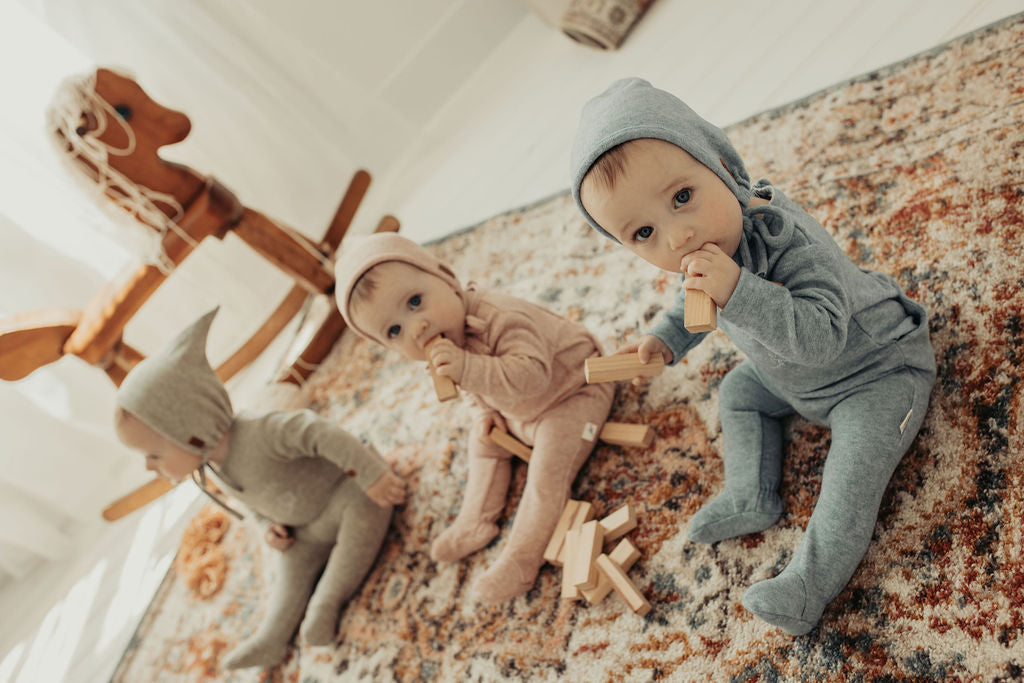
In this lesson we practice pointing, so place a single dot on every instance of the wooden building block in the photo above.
(584, 513)
(551, 553)
(569, 589)
(621, 367)
(444, 387)
(589, 540)
(625, 555)
(623, 434)
(510, 443)
(618, 523)
(623, 586)
(699, 311)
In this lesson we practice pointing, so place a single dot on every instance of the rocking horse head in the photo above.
(110, 131)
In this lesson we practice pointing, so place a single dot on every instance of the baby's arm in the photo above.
(803, 321)
(671, 332)
(306, 434)
(520, 367)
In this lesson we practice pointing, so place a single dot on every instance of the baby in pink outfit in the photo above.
(521, 366)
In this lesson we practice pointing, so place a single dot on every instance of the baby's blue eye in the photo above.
(414, 301)
(643, 234)
(394, 331)
(682, 197)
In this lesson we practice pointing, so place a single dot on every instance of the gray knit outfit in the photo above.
(293, 468)
(841, 346)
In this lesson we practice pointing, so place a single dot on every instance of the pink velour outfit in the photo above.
(526, 364)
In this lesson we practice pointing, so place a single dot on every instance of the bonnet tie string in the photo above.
(199, 477)
(766, 230)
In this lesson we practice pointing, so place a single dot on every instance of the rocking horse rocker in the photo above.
(111, 132)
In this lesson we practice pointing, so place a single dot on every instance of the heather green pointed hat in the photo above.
(178, 394)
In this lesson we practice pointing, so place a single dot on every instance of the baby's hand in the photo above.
(388, 490)
(483, 426)
(647, 347)
(711, 270)
(447, 359)
(644, 349)
(279, 537)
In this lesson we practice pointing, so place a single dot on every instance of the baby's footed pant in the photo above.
(872, 427)
(559, 450)
(343, 542)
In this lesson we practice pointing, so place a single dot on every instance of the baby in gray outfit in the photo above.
(324, 499)
(841, 346)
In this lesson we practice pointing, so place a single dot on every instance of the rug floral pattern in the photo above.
(918, 171)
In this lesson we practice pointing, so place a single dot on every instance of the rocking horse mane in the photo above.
(108, 131)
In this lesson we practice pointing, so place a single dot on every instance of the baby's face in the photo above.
(163, 456)
(665, 205)
(409, 308)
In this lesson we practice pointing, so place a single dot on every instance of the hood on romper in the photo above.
(630, 109)
(360, 254)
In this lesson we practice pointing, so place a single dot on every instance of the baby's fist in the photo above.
(388, 490)
(447, 359)
(279, 537)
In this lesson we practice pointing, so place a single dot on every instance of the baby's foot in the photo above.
(256, 651)
(460, 540)
(503, 581)
(725, 517)
(320, 625)
(784, 602)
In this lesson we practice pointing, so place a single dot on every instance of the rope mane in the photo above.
(138, 219)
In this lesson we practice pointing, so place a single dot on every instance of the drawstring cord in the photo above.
(199, 477)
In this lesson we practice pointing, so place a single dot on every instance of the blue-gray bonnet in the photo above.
(631, 109)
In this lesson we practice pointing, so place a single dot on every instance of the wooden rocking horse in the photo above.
(111, 132)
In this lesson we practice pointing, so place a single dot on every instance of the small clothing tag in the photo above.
(903, 425)
(589, 431)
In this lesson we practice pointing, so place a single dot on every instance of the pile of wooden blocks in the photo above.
(577, 546)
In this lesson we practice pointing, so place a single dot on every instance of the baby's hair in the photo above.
(368, 282)
(364, 288)
(609, 166)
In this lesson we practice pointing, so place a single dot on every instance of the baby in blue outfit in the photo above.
(841, 346)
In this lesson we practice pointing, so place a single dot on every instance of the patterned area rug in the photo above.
(918, 172)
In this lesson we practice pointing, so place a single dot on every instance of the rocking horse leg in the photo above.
(268, 331)
(31, 340)
(330, 329)
(120, 362)
(291, 252)
(143, 495)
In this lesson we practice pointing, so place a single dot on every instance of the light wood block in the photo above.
(623, 434)
(699, 311)
(618, 523)
(510, 443)
(623, 586)
(551, 553)
(621, 367)
(569, 589)
(137, 498)
(625, 554)
(444, 387)
(589, 540)
(584, 513)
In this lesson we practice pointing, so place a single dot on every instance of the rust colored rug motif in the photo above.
(918, 171)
